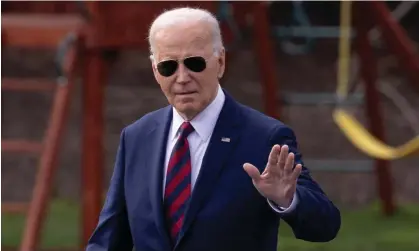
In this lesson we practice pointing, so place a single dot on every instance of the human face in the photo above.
(187, 90)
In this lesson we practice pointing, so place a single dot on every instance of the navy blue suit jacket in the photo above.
(226, 212)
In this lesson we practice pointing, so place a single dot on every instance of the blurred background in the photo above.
(75, 73)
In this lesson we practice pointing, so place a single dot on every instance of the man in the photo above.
(205, 172)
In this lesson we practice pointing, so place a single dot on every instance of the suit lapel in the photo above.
(223, 141)
(157, 140)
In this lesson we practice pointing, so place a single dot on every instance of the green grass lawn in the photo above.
(60, 230)
(365, 230)
(361, 230)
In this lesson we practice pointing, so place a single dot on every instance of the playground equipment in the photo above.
(97, 31)
(373, 144)
(353, 129)
(42, 32)
(303, 28)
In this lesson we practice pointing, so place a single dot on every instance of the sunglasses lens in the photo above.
(195, 64)
(167, 68)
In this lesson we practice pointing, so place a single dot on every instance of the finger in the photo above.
(252, 171)
(273, 158)
(289, 164)
(283, 157)
(297, 171)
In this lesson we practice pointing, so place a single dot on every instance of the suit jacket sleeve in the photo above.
(112, 232)
(315, 218)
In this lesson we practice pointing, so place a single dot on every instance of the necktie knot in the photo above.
(185, 129)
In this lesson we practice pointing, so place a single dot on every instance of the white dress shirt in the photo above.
(203, 124)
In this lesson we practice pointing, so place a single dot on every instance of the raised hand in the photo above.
(278, 181)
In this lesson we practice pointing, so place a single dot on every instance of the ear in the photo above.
(152, 61)
(154, 67)
(221, 63)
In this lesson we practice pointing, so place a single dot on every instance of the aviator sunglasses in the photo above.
(167, 68)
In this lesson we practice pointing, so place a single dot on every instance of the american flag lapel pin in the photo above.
(225, 139)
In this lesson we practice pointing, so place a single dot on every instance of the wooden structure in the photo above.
(112, 26)
(368, 15)
(34, 32)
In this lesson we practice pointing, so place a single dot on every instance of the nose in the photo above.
(182, 74)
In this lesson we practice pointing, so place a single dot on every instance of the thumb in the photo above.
(252, 171)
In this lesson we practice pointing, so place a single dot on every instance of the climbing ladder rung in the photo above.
(14, 207)
(37, 30)
(20, 84)
(19, 145)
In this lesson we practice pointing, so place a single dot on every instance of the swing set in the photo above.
(349, 125)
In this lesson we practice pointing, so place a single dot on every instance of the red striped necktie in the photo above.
(178, 182)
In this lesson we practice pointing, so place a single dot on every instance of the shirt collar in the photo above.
(205, 121)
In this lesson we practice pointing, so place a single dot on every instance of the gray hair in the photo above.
(182, 15)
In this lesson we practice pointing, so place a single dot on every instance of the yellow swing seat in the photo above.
(356, 133)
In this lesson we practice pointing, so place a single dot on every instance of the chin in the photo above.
(188, 109)
(183, 103)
